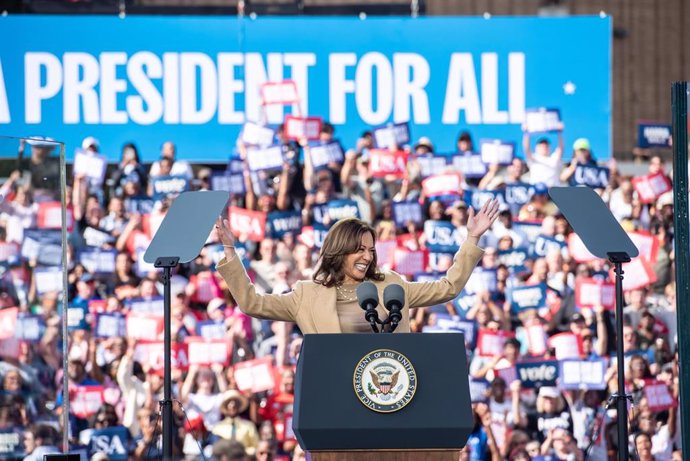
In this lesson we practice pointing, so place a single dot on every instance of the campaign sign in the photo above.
(518, 194)
(9, 252)
(543, 120)
(596, 177)
(282, 222)
(254, 134)
(144, 326)
(530, 228)
(578, 250)
(232, 183)
(528, 297)
(165, 186)
(42, 245)
(265, 158)
(582, 374)
(50, 216)
(409, 262)
(566, 345)
(496, 151)
(48, 279)
(297, 128)
(76, 318)
(383, 162)
(323, 154)
(543, 245)
(97, 238)
(514, 259)
(639, 273)
(476, 198)
(442, 236)
(654, 135)
(341, 209)
(207, 352)
(150, 355)
(91, 165)
(449, 322)
(405, 212)
(113, 441)
(432, 164)
(658, 396)
(141, 205)
(252, 224)
(490, 343)
(536, 338)
(650, 187)
(111, 325)
(12, 443)
(211, 329)
(463, 303)
(255, 375)
(469, 164)
(29, 328)
(646, 243)
(479, 389)
(314, 235)
(590, 292)
(98, 261)
(391, 136)
(284, 92)
(481, 280)
(153, 305)
(85, 400)
(442, 184)
(537, 373)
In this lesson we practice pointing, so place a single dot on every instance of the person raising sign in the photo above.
(328, 303)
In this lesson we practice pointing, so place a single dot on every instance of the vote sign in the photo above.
(496, 151)
(538, 373)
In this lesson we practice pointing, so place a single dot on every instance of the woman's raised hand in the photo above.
(479, 223)
(224, 233)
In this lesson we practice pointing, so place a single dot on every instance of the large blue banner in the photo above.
(196, 80)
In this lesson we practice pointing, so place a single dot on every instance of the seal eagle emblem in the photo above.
(385, 381)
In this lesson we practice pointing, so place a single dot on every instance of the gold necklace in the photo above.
(345, 294)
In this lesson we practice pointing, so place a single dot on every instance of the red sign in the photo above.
(442, 184)
(297, 128)
(591, 292)
(150, 355)
(566, 345)
(658, 396)
(650, 187)
(284, 92)
(384, 252)
(638, 273)
(490, 343)
(251, 224)
(536, 339)
(578, 250)
(9, 348)
(409, 262)
(384, 162)
(646, 243)
(8, 322)
(255, 375)
(202, 351)
(50, 216)
(85, 400)
(144, 326)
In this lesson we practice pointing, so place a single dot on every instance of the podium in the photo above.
(383, 397)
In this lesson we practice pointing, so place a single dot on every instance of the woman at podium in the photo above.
(328, 302)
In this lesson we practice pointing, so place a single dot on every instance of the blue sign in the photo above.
(596, 177)
(514, 259)
(476, 198)
(469, 164)
(442, 236)
(543, 245)
(518, 195)
(211, 329)
(111, 325)
(282, 222)
(528, 297)
(496, 151)
(197, 80)
(164, 186)
(11, 443)
(654, 135)
(232, 183)
(432, 164)
(113, 441)
(342, 208)
(404, 212)
(29, 328)
(537, 373)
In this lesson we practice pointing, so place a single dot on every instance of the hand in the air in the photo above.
(479, 223)
(224, 233)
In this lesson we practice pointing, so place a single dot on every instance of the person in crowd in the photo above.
(544, 166)
(348, 257)
(233, 426)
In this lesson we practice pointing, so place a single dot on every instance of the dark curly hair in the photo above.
(343, 239)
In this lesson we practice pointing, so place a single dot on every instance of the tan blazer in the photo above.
(313, 306)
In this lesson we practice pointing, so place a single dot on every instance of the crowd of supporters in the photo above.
(537, 313)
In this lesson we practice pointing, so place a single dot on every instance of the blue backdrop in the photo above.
(189, 79)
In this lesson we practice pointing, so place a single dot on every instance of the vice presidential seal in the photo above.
(385, 381)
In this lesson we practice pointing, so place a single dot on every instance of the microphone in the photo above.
(368, 299)
(394, 300)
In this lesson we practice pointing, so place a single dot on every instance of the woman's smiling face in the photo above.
(355, 265)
